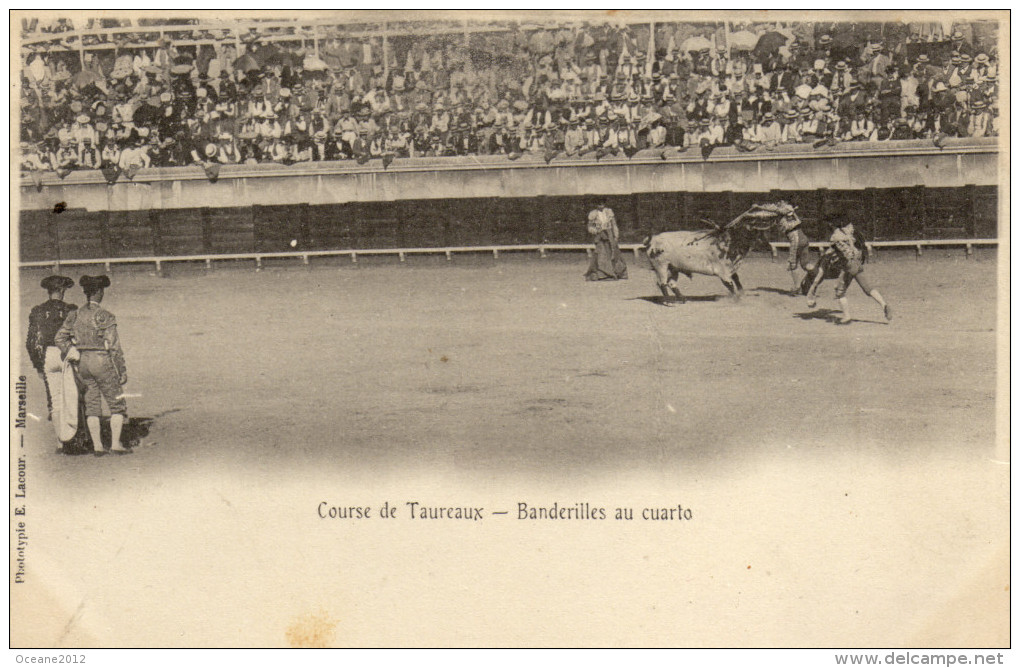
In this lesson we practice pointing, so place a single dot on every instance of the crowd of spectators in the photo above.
(560, 92)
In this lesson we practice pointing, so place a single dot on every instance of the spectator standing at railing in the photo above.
(813, 126)
(65, 159)
(317, 145)
(135, 157)
(227, 147)
(82, 130)
(769, 133)
(336, 149)
(657, 135)
(714, 134)
(915, 122)
(154, 149)
(901, 130)
(32, 159)
(790, 127)
(573, 140)
(110, 156)
(862, 128)
(980, 119)
(89, 156)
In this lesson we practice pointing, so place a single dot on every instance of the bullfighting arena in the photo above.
(842, 480)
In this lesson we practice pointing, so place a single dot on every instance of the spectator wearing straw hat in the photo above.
(769, 132)
(83, 129)
(980, 119)
(33, 158)
(65, 158)
(626, 80)
(942, 105)
(791, 128)
(714, 134)
(841, 79)
(880, 63)
(960, 43)
(89, 155)
(573, 140)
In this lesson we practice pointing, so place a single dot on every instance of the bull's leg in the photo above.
(662, 280)
(736, 281)
(728, 280)
(675, 287)
(667, 297)
(676, 291)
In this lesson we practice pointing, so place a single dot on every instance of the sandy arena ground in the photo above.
(841, 479)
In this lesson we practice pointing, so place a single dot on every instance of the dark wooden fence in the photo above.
(883, 214)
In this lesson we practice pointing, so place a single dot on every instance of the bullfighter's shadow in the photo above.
(833, 316)
(135, 430)
(662, 301)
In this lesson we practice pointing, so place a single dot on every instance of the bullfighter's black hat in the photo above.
(92, 283)
(54, 283)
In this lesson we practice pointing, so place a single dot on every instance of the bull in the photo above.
(711, 252)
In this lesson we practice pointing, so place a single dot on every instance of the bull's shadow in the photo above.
(833, 316)
(778, 291)
(662, 301)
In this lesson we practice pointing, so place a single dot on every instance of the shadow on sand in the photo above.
(662, 301)
(778, 291)
(833, 316)
(135, 430)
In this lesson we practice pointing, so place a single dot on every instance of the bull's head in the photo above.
(761, 217)
(760, 224)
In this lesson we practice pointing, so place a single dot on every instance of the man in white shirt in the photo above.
(715, 134)
(82, 130)
(769, 133)
(657, 135)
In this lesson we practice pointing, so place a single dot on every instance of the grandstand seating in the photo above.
(118, 98)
